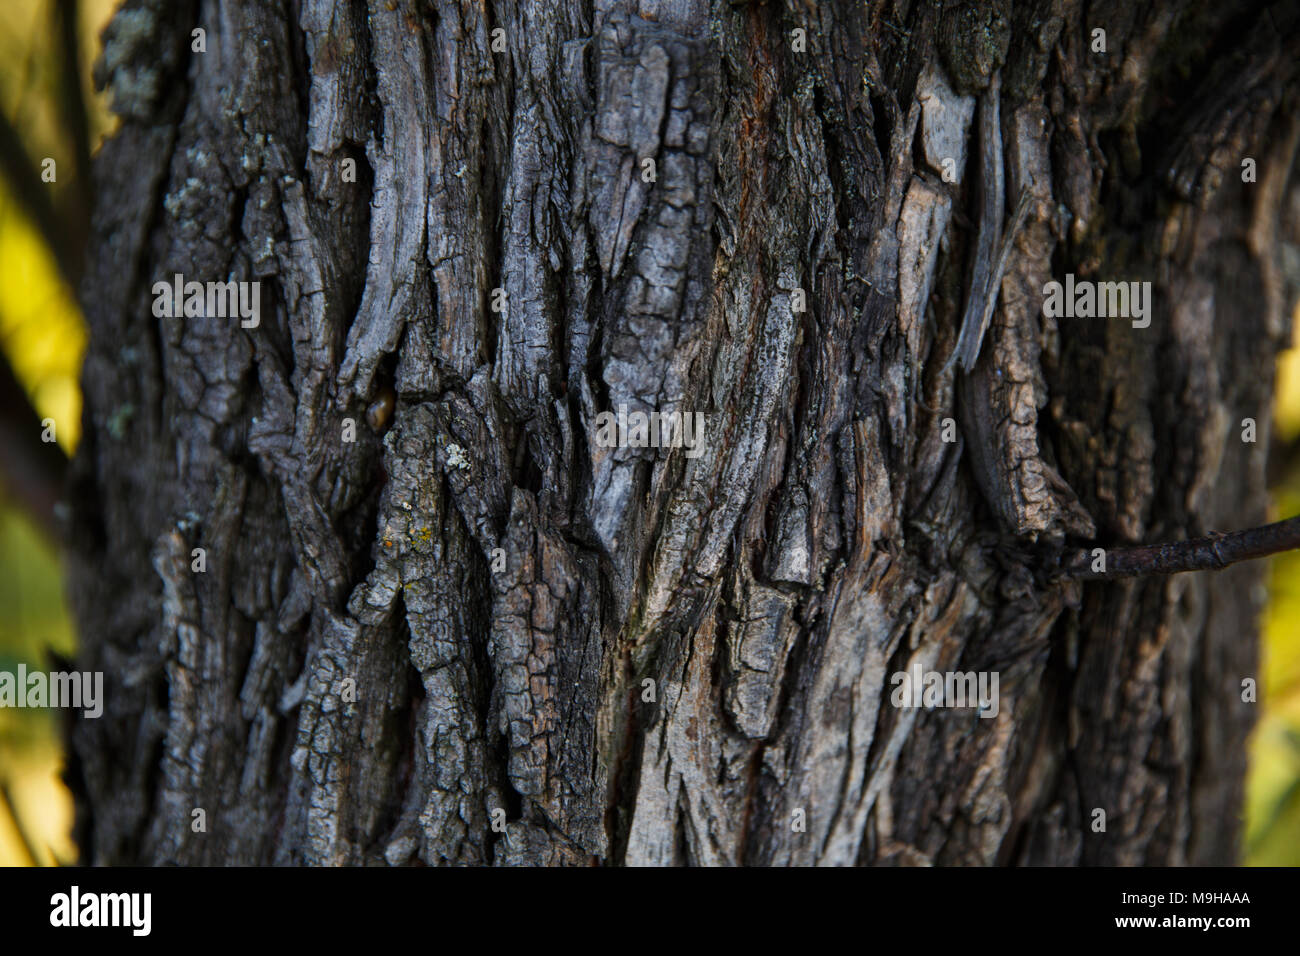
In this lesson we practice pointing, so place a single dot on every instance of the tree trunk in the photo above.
(468, 632)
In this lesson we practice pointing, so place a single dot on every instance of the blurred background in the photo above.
(50, 111)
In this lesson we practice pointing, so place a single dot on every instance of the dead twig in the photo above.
(1209, 553)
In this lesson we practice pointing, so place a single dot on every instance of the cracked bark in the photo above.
(498, 587)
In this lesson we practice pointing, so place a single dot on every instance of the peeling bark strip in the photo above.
(442, 619)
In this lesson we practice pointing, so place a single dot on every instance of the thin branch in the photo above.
(72, 104)
(31, 470)
(33, 196)
(23, 838)
(1210, 553)
(72, 97)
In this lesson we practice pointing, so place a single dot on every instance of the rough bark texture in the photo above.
(827, 537)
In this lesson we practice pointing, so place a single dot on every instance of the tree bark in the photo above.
(640, 655)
